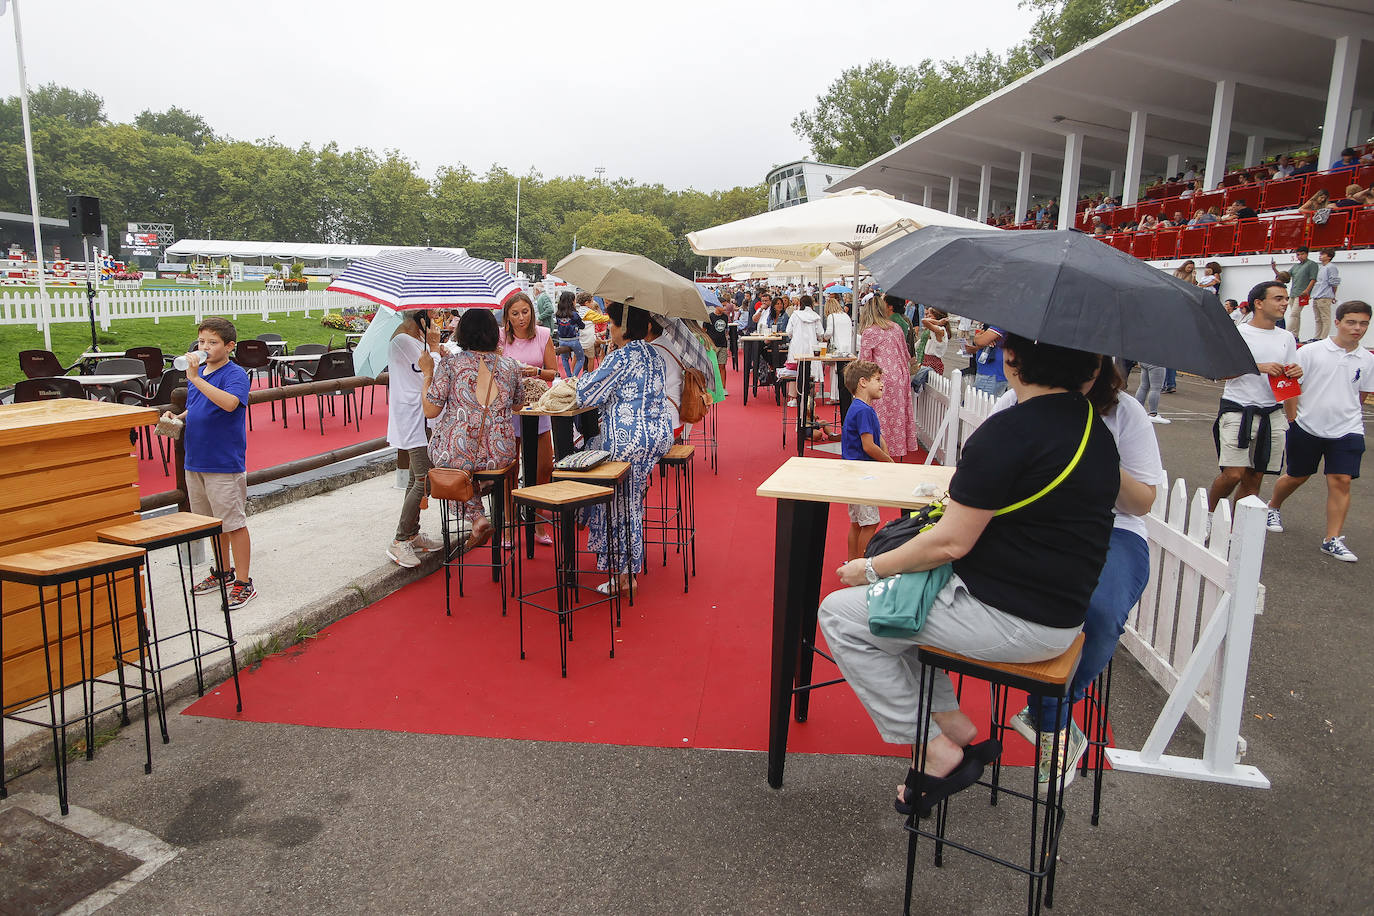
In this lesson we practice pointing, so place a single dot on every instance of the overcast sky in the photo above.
(696, 94)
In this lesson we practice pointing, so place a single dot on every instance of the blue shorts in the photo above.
(1341, 456)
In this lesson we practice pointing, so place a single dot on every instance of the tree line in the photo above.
(857, 116)
(172, 167)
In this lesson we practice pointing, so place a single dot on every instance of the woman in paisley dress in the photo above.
(628, 387)
(473, 393)
(881, 341)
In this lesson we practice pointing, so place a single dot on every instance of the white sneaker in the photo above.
(403, 554)
(424, 543)
(1335, 547)
(792, 403)
(1273, 521)
(1162, 421)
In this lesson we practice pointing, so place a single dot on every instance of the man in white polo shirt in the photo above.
(1338, 375)
(1250, 422)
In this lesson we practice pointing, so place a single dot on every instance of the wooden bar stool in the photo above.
(560, 502)
(74, 564)
(496, 482)
(178, 530)
(616, 475)
(1048, 679)
(675, 522)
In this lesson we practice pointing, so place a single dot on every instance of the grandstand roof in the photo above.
(283, 251)
(1166, 62)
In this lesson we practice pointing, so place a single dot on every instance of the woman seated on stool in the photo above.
(628, 389)
(1021, 580)
(474, 393)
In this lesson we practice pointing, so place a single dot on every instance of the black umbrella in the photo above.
(1065, 288)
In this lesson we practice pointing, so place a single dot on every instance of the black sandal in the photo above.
(938, 788)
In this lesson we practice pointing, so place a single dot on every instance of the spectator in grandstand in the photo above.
(1098, 227)
(1192, 188)
(1211, 278)
(1203, 217)
(1238, 210)
(1148, 223)
(1355, 196)
(1306, 165)
(1302, 276)
(1187, 272)
(1284, 167)
(1052, 213)
(1349, 160)
(1178, 219)
(1319, 201)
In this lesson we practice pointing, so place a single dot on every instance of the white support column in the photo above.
(925, 196)
(984, 191)
(1135, 155)
(1023, 186)
(953, 203)
(1254, 150)
(1340, 95)
(1068, 188)
(1114, 183)
(1222, 103)
(1172, 166)
(1360, 126)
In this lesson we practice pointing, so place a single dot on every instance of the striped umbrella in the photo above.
(407, 279)
(421, 278)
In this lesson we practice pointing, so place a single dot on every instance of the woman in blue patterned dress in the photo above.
(628, 387)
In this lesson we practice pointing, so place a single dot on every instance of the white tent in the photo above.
(284, 251)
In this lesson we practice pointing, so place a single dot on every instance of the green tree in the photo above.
(80, 109)
(856, 117)
(176, 122)
(636, 233)
(1063, 25)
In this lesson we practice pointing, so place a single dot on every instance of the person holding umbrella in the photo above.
(628, 387)
(405, 430)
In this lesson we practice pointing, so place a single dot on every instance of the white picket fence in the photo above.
(22, 308)
(1193, 627)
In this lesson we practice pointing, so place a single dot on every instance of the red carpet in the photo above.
(688, 670)
(269, 444)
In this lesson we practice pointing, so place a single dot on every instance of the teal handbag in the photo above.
(898, 605)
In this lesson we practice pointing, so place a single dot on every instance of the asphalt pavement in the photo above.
(274, 818)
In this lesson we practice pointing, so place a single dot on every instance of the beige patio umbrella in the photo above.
(633, 280)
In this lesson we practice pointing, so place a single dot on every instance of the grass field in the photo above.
(173, 335)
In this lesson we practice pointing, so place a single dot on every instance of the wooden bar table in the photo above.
(804, 392)
(67, 470)
(754, 347)
(562, 426)
(804, 489)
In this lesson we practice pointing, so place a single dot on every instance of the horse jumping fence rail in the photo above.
(1193, 626)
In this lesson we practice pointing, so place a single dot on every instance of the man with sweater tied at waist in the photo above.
(1250, 425)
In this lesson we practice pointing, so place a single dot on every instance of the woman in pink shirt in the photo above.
(525, 341)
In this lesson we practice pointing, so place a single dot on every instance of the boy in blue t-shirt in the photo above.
(216, 440)
(862, 440)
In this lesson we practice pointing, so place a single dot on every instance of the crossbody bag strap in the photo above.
(1082, 447)
(676, 405)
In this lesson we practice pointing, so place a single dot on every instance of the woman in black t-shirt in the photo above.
(1021, 580)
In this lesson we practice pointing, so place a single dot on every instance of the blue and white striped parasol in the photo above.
(408, 279)
(420, 278)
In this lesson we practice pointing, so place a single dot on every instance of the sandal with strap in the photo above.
(938, 788)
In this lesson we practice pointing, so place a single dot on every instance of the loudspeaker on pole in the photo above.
(83, 214)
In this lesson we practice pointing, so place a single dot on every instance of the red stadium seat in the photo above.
(1334, 233)
(1148, 208)
(1288, 233)
(1283, 195)
(1122, 215)
(1122, 242)
(1365, 176)
(1166, 244)
(1233, 179)
(1247, 192)
(1333, 183)
(1192, 242)
(1221, 239)
(1158, 193)
(1209, 199)
(1252, 235)
(1143, 245)
(1362, 229)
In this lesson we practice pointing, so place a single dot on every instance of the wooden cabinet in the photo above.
(67, 469)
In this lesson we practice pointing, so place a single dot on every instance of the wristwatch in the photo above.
(870, 573)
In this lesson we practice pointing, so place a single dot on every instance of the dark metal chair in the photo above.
(171, 380)
(276, 343)
(254, 356)
(47, 389)
(43, 364)
(122, 365)
(336, 364)
(153, 362)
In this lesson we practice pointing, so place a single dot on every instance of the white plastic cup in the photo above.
(187, 360)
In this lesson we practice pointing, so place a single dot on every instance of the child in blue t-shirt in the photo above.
(862, 440)
(216, 440)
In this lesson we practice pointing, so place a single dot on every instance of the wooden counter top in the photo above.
(67, 417)
(865, 483)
